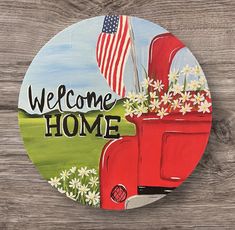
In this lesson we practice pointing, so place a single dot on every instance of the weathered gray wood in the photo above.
(205, 201)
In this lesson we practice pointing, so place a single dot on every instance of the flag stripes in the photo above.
(112, 50)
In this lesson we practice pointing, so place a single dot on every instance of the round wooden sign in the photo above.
(115, 112)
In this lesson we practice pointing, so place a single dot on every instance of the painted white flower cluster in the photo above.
(80, 185)
(184, 97)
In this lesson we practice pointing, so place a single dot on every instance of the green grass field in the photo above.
(53, 154)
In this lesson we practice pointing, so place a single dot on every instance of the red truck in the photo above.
(163, 153)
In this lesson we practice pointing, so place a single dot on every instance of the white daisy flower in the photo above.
(54, 182)
(73, 169)
(173, 75)
(166, 98)
(176, 104)
(202, 80)
(185, 96)
(208, 93)
(61, 190)
(92, 198)
(83, 172)
(197, 70)
(186, 70)
(194, 85)
(127, 104)
(93, 171)
(204, 107)
(71, 195)
(74, 183)
(176, 89)
(141, 97)
(65, 174)
(197, 98)
(153, 95)
(157, 85)
(140, 110)
(129, 112)
(185, 108)
(83, 189)
(162, 112)
(155, 104)
(93, 181)
(131, 96)
(147, 82)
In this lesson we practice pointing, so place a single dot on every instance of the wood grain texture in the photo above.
(205, 201)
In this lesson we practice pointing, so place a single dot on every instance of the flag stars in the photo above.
(110, 24)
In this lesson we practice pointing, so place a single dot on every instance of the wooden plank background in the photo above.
(205, 201)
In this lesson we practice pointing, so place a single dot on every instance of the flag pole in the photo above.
(133, 57)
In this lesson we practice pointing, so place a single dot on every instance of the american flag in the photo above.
(112, 50)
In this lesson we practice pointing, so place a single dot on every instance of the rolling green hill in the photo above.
(53, 154)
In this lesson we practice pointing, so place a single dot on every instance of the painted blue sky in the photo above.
(69, 58)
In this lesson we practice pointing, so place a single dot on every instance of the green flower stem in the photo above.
(63, 185)
(170, 86)
(185, 83)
